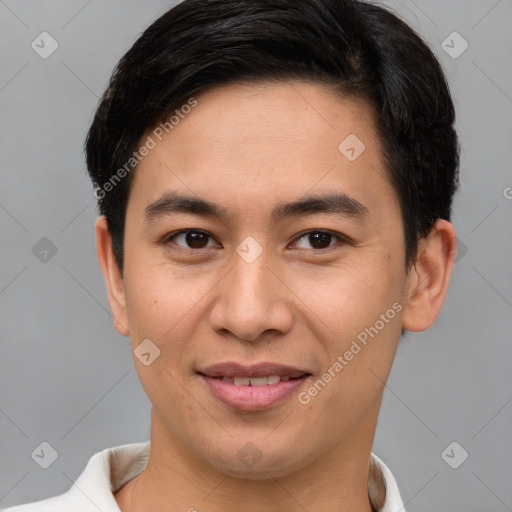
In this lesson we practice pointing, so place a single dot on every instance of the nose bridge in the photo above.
(251, 281)
(251, 300)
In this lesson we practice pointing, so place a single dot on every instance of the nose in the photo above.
(250, 300)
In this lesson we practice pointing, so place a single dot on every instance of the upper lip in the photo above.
(231, 369)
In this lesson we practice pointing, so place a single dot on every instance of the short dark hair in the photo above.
(362, 50)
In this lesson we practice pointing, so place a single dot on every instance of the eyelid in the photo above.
(168, 238)
(342, 239)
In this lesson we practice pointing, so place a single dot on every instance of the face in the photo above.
(289, 251)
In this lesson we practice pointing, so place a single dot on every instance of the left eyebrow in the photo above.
(331, 203)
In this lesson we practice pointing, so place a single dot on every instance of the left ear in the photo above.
(428, 279)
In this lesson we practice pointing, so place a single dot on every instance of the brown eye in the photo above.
(196, 240)
(318, 239)
(192, 239)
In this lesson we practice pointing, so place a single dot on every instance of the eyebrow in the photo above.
(331, 203)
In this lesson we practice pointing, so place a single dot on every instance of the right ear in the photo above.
(113, 276)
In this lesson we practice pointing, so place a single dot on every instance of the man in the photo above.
(275, 180)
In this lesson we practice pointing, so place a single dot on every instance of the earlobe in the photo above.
(428, 280)
(113, 277)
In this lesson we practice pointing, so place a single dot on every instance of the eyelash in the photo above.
(342, 240)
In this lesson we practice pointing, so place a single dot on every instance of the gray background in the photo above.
(66, 376)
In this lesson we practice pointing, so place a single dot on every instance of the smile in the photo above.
(255, 381)
(254, 393)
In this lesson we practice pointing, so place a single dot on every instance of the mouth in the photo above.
(255, 387)
(233, 370)
(268, 380)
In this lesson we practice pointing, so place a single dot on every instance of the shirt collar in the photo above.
(109, 470)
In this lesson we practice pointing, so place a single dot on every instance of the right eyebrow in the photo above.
(171, 203)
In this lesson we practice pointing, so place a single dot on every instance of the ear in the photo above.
(112, 275)
(427, 281)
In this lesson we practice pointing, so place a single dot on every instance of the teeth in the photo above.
(255, 381)
(258, 381)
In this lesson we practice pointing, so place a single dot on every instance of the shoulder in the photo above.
(94, 489)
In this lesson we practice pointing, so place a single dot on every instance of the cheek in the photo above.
(359, 335)
(168, 307)
(356, 314)
(160, 299)
(341, 302)
(161, 307)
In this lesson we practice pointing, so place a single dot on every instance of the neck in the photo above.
(177, 479)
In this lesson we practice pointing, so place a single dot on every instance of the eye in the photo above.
(192, 239)
(319, 239)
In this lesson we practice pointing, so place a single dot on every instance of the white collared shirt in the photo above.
(109, 470)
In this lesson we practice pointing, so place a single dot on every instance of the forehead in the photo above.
(275, 121)
(261, 144)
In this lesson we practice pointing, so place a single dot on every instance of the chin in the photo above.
(252, 463)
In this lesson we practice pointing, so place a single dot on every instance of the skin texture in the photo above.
(248, 148)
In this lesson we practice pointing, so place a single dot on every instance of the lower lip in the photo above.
(252, 398)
